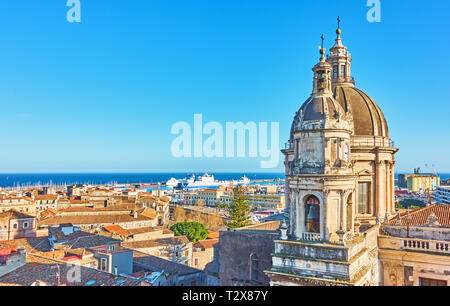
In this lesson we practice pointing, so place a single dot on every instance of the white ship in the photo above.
(173, 182)
(204, 181)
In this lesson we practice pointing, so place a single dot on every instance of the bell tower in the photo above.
(322, 75)
(325, 244)
(340, 60)
(318, 167)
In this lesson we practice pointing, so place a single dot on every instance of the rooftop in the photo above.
(206, 244)
(14, 214)
(117, 229)
(156, 242)
(31, 245)
(53, 272)
(155, 264)
(421, 216)
(92, 219)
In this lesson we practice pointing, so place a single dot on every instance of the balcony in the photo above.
(423, 245)
(414, 244)
(288, 146)
(315, 237)
(371, 142)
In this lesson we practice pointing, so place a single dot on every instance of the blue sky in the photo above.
(102, 95)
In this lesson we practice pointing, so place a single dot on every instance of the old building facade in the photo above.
(414, 248)
(339, 182)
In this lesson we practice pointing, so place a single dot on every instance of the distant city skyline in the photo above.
(101, 96)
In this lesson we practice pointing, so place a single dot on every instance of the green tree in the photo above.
(194, 231)
(238, 210)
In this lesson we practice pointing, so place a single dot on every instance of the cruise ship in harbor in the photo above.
(442, 195)
(205, 181)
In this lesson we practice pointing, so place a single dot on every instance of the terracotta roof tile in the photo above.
(14, 214)
(92, 219)
(420, 216)
(117, 229)
(213, 235)
(46, 197)
(156, 242)
(38, 268)
(153, 263)
(206, 244)
(33, 245)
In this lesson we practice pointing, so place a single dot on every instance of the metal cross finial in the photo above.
(322, 40)
(339, 22)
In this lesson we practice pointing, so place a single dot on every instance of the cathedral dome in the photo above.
(316, 113)
(317, 108)
(367, 116)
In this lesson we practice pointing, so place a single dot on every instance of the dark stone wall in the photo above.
(235, 248)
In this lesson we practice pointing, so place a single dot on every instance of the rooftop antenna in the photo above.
(57, 274)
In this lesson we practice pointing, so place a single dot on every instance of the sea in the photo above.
(44, 179)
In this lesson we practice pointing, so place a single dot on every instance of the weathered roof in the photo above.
(421, 216)
(213, 235)
(156, 242)
(93, 219)
(33, 245)
(206, 244)
(141, 230)
(48, 213)
(89, 241)
(117, 229)
(148, 212)
(153, 263)
(14, 214)
(38, 268)
(46, 197)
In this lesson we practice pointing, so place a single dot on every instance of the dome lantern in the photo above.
(322, 71)
(340, 60)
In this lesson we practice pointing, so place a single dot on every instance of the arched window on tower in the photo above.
(312, 213)
(343, 71)
(321, 80)
(254, 269)
(335, 72)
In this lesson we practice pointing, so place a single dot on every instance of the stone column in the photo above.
(388, 190)
(287, 198)
(300, 210)
(378, 188)
(341, 209)
(392, 185)
(353, 211)
(323, 215)
(292, 215)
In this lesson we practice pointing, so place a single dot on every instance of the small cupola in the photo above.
(340, 60)
(322, 71)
